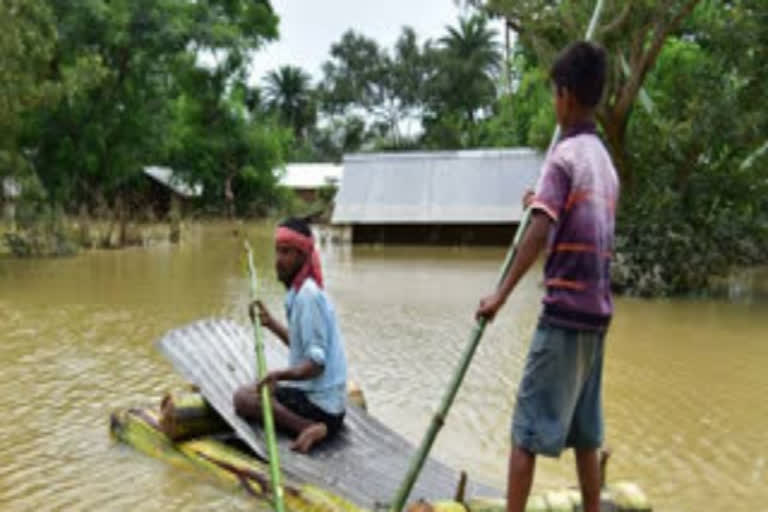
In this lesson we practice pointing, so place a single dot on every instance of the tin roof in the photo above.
(472, 186)
(166, 176)
(309, 175)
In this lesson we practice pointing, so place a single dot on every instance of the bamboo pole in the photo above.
(266, 401)
(417, 462)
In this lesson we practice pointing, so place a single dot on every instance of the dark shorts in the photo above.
(296, 400)
(559, 399)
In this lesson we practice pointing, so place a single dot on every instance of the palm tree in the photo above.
(288, 93)
(472, 62)
(473, 40)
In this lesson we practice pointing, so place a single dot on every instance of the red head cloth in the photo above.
(305, 245)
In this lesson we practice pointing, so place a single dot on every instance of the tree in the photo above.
(91, 148)
(469, 61)
(462, 89)
(364, 80)
(693, 171)
(288, 92)
(632, 32)
(524, 118)
(27, 41)
(225, 141)
(330, 140)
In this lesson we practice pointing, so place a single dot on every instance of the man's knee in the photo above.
(245, 400)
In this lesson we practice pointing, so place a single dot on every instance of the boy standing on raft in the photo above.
(573, 216)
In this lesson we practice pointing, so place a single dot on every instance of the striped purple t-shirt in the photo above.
(578, 189)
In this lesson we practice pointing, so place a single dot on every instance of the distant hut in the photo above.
(468, 197)
(307, 179)
(168, 191)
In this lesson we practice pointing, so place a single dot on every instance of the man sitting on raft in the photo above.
(312, 401)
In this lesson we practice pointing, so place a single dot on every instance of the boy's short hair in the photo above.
(580, 68)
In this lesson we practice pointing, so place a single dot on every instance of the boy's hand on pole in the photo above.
(528, 198)
(489, 306)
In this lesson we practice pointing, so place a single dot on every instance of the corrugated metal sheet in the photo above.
(365, 463)
(474, 186)
(309, 175)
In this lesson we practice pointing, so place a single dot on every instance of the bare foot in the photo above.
(308, 437)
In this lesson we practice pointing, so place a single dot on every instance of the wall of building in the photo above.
(434, 234)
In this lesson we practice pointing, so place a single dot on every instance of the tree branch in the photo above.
(618, 21)
(646, 60)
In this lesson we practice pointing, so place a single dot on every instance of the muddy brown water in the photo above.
(686, 381)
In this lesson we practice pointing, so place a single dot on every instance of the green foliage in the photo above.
(364, 80)
(469, 61)
(665, 249)
(330, 141)
(218, 142)
(95, 90)
(40, 227)
(28, 38)
(289, 95)
(26, 42)
(633, 34)
(698, 209)
(447, 87)
(525, 118)
(90, 146)
(693, 201)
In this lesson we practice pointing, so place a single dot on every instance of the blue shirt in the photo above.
(314, 334)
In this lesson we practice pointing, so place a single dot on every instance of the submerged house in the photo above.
(166, 189)
(471, 197)
(307, 179)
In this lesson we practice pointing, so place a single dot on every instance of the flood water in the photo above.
(686, 381)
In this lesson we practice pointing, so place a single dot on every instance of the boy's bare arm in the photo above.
(534, 241)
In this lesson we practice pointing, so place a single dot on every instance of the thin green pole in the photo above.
(417, 462)
(266, 402)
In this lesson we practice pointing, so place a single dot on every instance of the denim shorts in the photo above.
(559, 399)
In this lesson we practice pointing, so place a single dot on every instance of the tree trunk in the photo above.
(85, 230)
(122, 219)
(507, 53)
(104, 214)
(9, 213)
(174, 220)
(229, 195)
(615, 131)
